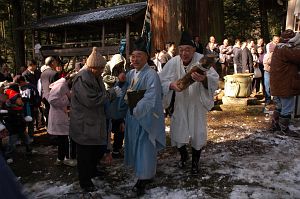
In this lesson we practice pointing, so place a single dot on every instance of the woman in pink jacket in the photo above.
(58, 123)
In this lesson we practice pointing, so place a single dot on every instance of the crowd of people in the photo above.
(83, 107)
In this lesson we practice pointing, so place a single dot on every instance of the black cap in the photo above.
(186, 39)
(140, 45)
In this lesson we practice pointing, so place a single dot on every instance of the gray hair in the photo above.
(49, 60)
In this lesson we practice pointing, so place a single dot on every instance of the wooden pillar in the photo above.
(127, 40)
(33, 43)
(290, 14)
(103, 36)
(65, 36)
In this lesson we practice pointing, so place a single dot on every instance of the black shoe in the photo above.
(140, 186)
(116, 155)
(290, 133)
(181, 164)
(89, 189)
(28, 150)
(195, 169)
(98, 173)
(139, 190)
(184, 156)
(195, 160)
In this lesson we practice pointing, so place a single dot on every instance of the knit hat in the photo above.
(287, 35)
(12, 94)
(95, 59)
(140, 45)
(115, 60)
(186, 39)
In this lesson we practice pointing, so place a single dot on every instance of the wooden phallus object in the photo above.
(200, 67)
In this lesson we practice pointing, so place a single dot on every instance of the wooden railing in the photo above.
(78, 51)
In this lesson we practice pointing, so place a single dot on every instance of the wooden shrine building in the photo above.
(75, 34)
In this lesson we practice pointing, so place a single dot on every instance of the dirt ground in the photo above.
(235, 134)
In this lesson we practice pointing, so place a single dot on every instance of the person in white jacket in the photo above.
(192, 104)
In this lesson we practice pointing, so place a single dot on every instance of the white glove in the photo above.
(2, 127)
(118, 91)
(28, 118)
(2, 111)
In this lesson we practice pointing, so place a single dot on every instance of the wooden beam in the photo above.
(127, 40)
(71, 52)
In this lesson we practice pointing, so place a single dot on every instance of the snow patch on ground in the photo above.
(236, 171)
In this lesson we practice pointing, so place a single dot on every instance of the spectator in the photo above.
(237, 57)
(225, 57)
(31, 100)
(157, 59)
(267, 67)
(284, 83)
(3, 130)
(88, 119)
(170, 48)
(114, 75)
(114, 71)
(199, 46)
(15, 122)
(5, 74)
(58, 123)
(32, 74)
(247, 59)
(261, 54)
(257, 74)
(48, 76)
(212, 46)
(274, 42)
(261, 43)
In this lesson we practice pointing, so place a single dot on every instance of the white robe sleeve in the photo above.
(167, 76)
(212, 82)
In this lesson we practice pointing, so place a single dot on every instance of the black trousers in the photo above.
(87, 158)
(66, 147)
(118, 134)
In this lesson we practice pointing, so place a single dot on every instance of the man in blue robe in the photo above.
(145, 128)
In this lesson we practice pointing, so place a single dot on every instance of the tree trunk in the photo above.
(92, 4)
(75, 5)
(216, 19)
(166, 22)
(264, 27)
(102, 3)
(38, 17)
(170, 17)
(18, 35)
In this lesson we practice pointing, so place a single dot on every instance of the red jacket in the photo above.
(285, 71)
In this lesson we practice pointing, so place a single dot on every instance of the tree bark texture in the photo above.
(170, 17)
(264, 27)
(18, 35)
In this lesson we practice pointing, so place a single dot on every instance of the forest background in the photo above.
(242, 19)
